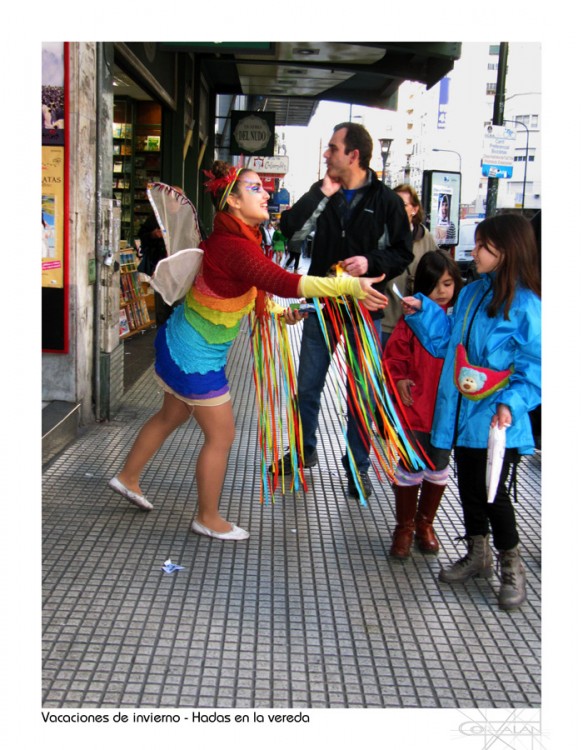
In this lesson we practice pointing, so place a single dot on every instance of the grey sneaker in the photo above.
(366, 485)
(310, 460)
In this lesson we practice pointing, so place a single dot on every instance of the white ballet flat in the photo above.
(234, 535)
(135, 498)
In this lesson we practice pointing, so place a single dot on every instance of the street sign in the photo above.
(277, 165)
(498, 158)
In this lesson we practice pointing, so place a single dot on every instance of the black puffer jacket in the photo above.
(375, 226)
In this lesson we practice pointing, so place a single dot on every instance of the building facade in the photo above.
(107, 166)
(443, 127)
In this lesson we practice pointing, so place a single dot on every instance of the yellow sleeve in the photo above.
(335, 286)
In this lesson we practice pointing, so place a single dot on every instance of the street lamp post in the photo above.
(385, 148)
(451, 151)
(518, 122)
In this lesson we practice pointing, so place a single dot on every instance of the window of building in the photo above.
(492, 66)
(490, 89)
(494, 49)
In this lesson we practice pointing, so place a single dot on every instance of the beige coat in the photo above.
(404, 282)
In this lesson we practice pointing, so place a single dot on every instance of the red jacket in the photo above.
(405, 357)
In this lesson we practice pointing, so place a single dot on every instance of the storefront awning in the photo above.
(290, 78)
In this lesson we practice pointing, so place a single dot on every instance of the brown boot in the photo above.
(428, 504)
(406, 505)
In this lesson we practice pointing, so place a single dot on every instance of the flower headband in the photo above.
(215, 185)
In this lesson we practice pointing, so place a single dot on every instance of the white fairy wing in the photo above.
(176, 217)
(178, 220)
(174, 275)
(496, 450)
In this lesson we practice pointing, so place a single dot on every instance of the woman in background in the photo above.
(423, 242)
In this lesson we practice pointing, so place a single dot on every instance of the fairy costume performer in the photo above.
(192, 346)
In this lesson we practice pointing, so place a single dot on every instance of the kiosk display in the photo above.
(441, 203)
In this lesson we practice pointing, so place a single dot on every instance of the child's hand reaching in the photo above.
(410, 305)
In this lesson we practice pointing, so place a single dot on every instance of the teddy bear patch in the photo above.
(477, 382)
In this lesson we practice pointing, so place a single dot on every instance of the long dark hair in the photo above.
(513, 236)
(431, 267)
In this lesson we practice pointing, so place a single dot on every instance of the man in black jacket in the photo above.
(362, 223)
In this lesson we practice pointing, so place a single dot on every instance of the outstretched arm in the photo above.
(361, 288)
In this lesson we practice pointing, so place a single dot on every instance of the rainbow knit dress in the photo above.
(192, 346)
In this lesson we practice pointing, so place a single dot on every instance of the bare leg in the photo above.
(218, 426)
(150, 438)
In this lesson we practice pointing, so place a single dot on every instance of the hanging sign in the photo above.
(277, 165)
(253, 133)
(443, 103)
(268, 182)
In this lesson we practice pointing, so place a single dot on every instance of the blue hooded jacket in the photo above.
(494, 343)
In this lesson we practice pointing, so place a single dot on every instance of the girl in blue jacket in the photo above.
(491, 377)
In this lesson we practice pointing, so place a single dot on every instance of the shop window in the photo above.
(137, 139)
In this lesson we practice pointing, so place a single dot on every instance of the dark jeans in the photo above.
(479, 515)
(295, 258)
(312, 371)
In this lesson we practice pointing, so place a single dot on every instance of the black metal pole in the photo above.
(497, 119)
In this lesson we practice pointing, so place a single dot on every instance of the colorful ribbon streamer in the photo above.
(278, 422)
(359, 366)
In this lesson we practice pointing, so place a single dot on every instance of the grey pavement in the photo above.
(310, 612)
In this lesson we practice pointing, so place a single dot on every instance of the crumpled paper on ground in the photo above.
(169, 567)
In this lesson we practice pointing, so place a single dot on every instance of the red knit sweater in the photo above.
(233, 262)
